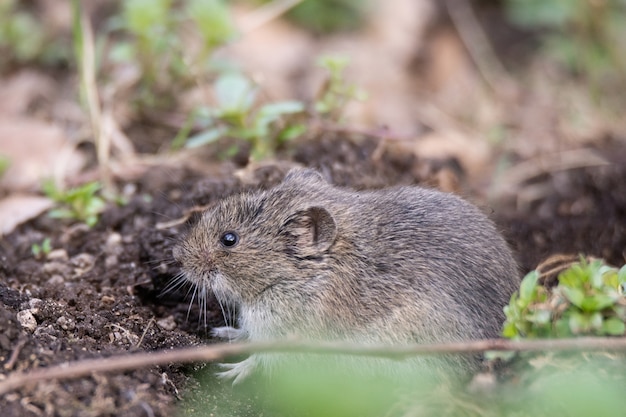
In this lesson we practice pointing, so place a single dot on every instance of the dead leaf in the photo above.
(22, 91)
(36, 151)
(17, 209)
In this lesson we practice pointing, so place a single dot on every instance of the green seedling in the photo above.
(42, 249)
(588, 300)
(266, 127)
(23, 39)
(80, 203)
(152, 40)
(336, 93)
(269, 126)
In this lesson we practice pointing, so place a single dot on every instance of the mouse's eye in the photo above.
(229, 239)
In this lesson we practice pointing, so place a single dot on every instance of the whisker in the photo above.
(193, 297)
(167, 261)
(177, 282)
(205, 312)
(223, 312)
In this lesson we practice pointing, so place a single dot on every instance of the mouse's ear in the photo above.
(297, 175)
(311, 231)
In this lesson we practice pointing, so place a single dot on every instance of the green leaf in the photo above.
(291, 132)
(335, 64)
(596, 272)
(613, 326)
(528, 286)
(213, 21)
(596, 302)
(511, 311)
(95, 205)
(539, 317)
(611, 279)
(573, 277)
(562, 327)
(62, 213)
(50, 189)
(510, 330)
(621, 276)
(573, 295)
(234, 93)
(143, 17)
(595, 322)
(578, 323)
(123, 52)
(91, 220)
(271, 113)
(206, 137)
(282, 107)
(205, 115)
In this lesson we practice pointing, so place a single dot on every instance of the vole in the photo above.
(398, 265)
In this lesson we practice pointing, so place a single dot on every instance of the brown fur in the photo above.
(400, 265)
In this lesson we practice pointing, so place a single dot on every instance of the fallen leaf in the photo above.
(17, 209)
(35, 151)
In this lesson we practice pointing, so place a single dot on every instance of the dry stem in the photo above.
(220, 351)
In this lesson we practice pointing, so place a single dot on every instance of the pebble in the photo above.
(167, 323)
(58, 255)
(27, 320)
(66, 323)
(83, 263)
(57, 268)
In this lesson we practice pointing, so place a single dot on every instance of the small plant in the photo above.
(80, 203)
(336, 93)
(267, 127)
(152, 40)
(235, 116)
(42, 249)
(23, 39)
(588, 300)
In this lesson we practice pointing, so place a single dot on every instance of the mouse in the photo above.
(398, 265)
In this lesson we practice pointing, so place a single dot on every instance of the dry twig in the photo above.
(211, 353)
(479, 47)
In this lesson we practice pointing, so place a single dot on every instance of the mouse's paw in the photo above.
(229, 333)
(237, 371)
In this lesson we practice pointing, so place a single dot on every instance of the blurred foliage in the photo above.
(329, 16)
(39, 250)
(267, 127)
(586, 36)
(588, 300)
(80, 203)
(154, 34)
(149, 35)
(336, 92)
(24, 40)
(577, 386)
(312, 386)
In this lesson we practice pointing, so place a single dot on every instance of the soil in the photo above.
(101, 291)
